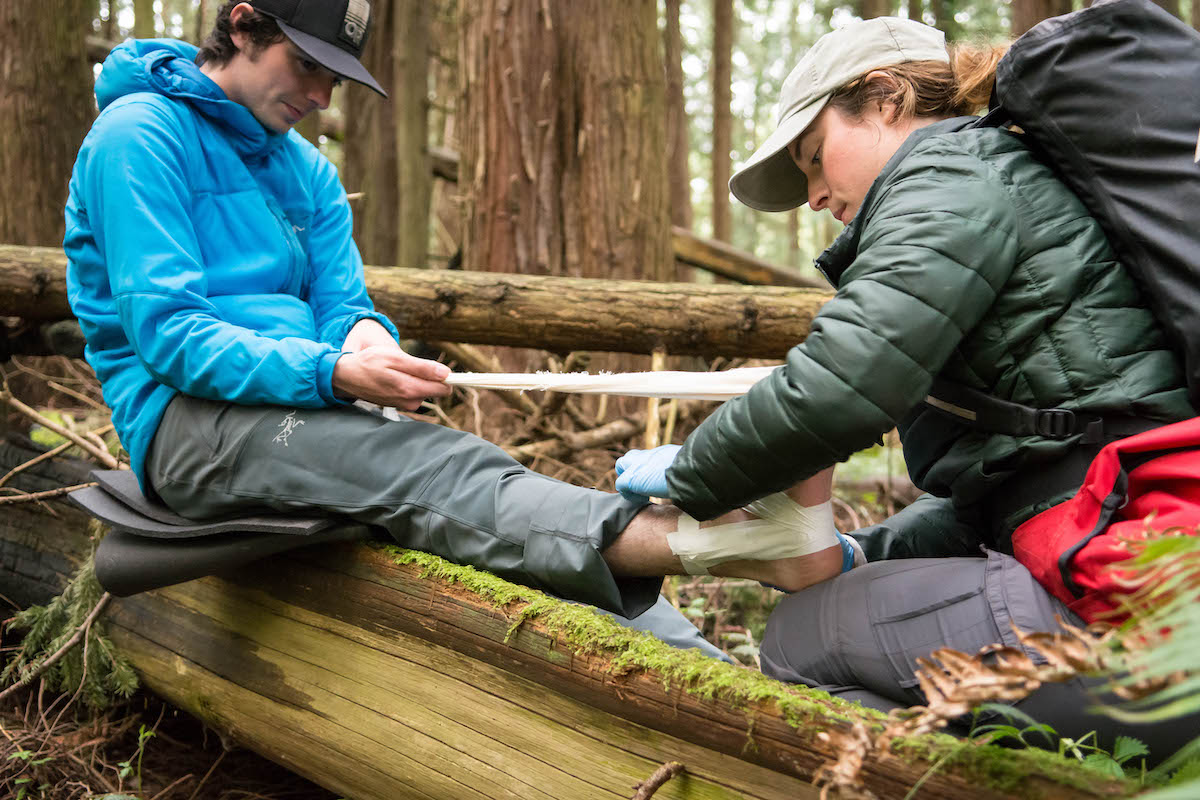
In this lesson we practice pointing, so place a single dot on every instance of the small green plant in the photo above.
(25, 783)
(127, 767)
(1084, 749)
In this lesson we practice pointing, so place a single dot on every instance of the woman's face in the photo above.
(841, 156)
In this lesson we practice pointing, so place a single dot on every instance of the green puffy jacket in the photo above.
(968, 260)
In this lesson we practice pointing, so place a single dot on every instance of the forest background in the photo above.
(666, 98)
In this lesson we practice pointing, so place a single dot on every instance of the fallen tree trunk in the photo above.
(381, 679)
(729, 262)
(558, 314)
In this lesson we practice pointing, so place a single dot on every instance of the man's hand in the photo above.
(387, 376)
(367, 333)
(643, 473)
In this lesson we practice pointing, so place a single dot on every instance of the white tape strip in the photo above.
(786, 530)
(666, 383)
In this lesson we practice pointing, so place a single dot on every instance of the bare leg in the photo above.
(642, 547)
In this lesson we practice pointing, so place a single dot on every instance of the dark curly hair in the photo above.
(218, 49)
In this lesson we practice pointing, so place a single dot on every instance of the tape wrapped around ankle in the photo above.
(785, 529)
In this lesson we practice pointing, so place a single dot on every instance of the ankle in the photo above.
(788, 574)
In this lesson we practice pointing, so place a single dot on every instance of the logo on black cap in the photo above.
(358, 14)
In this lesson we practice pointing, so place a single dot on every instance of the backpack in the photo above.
(1110, 96)
(1074, 548)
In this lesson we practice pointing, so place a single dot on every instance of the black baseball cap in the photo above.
(332, 33)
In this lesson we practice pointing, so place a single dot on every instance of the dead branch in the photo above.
(100, 455)
(46, 495)
(46, 456)
(646, 789)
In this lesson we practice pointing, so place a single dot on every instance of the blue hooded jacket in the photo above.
(207, 254)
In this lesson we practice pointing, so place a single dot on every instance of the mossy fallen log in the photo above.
(560, 314)
(382, 673)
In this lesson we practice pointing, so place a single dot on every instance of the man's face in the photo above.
(280, 84)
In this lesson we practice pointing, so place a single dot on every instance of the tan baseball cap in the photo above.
(770, 180)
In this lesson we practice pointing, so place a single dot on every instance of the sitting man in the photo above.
(222, 297)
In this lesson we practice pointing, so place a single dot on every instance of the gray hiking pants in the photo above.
(859, 635)
(430, 487)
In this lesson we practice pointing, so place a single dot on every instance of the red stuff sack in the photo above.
(1072, 548)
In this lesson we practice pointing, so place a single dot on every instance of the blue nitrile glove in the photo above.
(643, 473)
(852, 553)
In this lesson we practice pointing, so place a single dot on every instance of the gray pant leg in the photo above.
(432, 488)
(859, 636)
(665, 622)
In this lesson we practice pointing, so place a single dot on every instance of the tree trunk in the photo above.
(678, 148)
(943, 16)
(46, 105)
(1196, 14)
(722, 140)
(563, 127)
(914, 10)
(144, 24)
(445, 212)
(201, 29)
(108, 26)
(383, 680)
(369, 147)
(726, 261)
(869, 9)
(412, 27)
(1027, 13)
(563, 134)
(551, 313)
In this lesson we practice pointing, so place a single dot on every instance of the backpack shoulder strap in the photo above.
(987, 413)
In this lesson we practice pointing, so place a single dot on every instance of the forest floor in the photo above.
(146, 749)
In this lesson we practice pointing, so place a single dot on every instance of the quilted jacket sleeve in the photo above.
(938, 242)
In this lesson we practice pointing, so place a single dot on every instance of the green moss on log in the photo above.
(807, 710)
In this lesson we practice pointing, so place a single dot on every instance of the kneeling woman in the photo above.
(965, 259)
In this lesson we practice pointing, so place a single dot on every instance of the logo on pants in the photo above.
(289, 424)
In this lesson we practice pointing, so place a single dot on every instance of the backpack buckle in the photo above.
(1056, 423)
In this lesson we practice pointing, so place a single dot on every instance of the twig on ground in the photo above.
(646, 789)
(207, 775)
(100, 455)
(30, 498)
(844, 506)
(171, 786)
(47, 455)
(80, 396)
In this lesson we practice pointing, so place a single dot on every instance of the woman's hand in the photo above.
(643, 473)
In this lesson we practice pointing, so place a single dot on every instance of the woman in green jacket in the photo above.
(964, 260)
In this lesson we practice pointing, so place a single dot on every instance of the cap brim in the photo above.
(331, 57)
(770, 180)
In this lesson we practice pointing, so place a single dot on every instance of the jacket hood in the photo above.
(167, 67)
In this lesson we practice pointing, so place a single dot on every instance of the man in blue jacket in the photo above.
(222, 297)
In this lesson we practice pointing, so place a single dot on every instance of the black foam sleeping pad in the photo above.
(151, 547)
